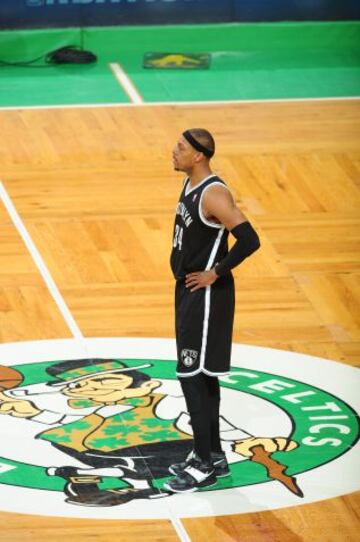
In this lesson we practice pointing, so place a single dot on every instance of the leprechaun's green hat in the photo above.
(79, 369)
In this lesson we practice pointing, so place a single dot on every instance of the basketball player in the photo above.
(204, 301)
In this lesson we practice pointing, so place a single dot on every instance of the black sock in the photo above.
(213, 387)
(196, 397)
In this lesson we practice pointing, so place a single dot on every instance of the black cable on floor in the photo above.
(70, 54)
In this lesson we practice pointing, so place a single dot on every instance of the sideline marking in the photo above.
(35, 254)
(179, 527)
(191, 103)
(126, 83)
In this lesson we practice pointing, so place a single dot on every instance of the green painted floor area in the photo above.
(55, 85)
(248, 61)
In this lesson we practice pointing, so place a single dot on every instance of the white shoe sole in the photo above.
(223, 475)
(217, 475)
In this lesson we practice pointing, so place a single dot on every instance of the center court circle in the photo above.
(297, 411)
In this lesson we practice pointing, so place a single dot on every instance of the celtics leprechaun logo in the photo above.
(115, 426)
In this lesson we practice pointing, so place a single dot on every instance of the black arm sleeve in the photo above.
(247, 241)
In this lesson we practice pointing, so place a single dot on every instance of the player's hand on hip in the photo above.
(200, 279)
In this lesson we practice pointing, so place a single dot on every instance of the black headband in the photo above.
(194, 143)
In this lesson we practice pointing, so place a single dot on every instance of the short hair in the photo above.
(204, 137)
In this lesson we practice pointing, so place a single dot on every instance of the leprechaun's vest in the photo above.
(131, 428)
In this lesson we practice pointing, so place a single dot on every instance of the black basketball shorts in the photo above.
(204, 324)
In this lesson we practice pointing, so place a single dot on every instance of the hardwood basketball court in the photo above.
(96, 192)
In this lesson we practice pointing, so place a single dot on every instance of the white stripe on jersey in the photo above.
(206, 312)
(187, 192)
(207, 222)
(207, 299)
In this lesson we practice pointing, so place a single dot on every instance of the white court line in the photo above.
(35, 254)
(126, 83)
(181, 104)
(179, 528)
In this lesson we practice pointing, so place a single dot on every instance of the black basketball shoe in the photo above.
(218, 459)
(197, 474)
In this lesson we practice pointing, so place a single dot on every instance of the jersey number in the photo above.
(178, 236)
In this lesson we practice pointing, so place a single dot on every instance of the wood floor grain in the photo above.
(96, 191)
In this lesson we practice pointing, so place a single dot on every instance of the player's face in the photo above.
(183, 155)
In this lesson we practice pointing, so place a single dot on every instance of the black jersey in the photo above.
(197, 242)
